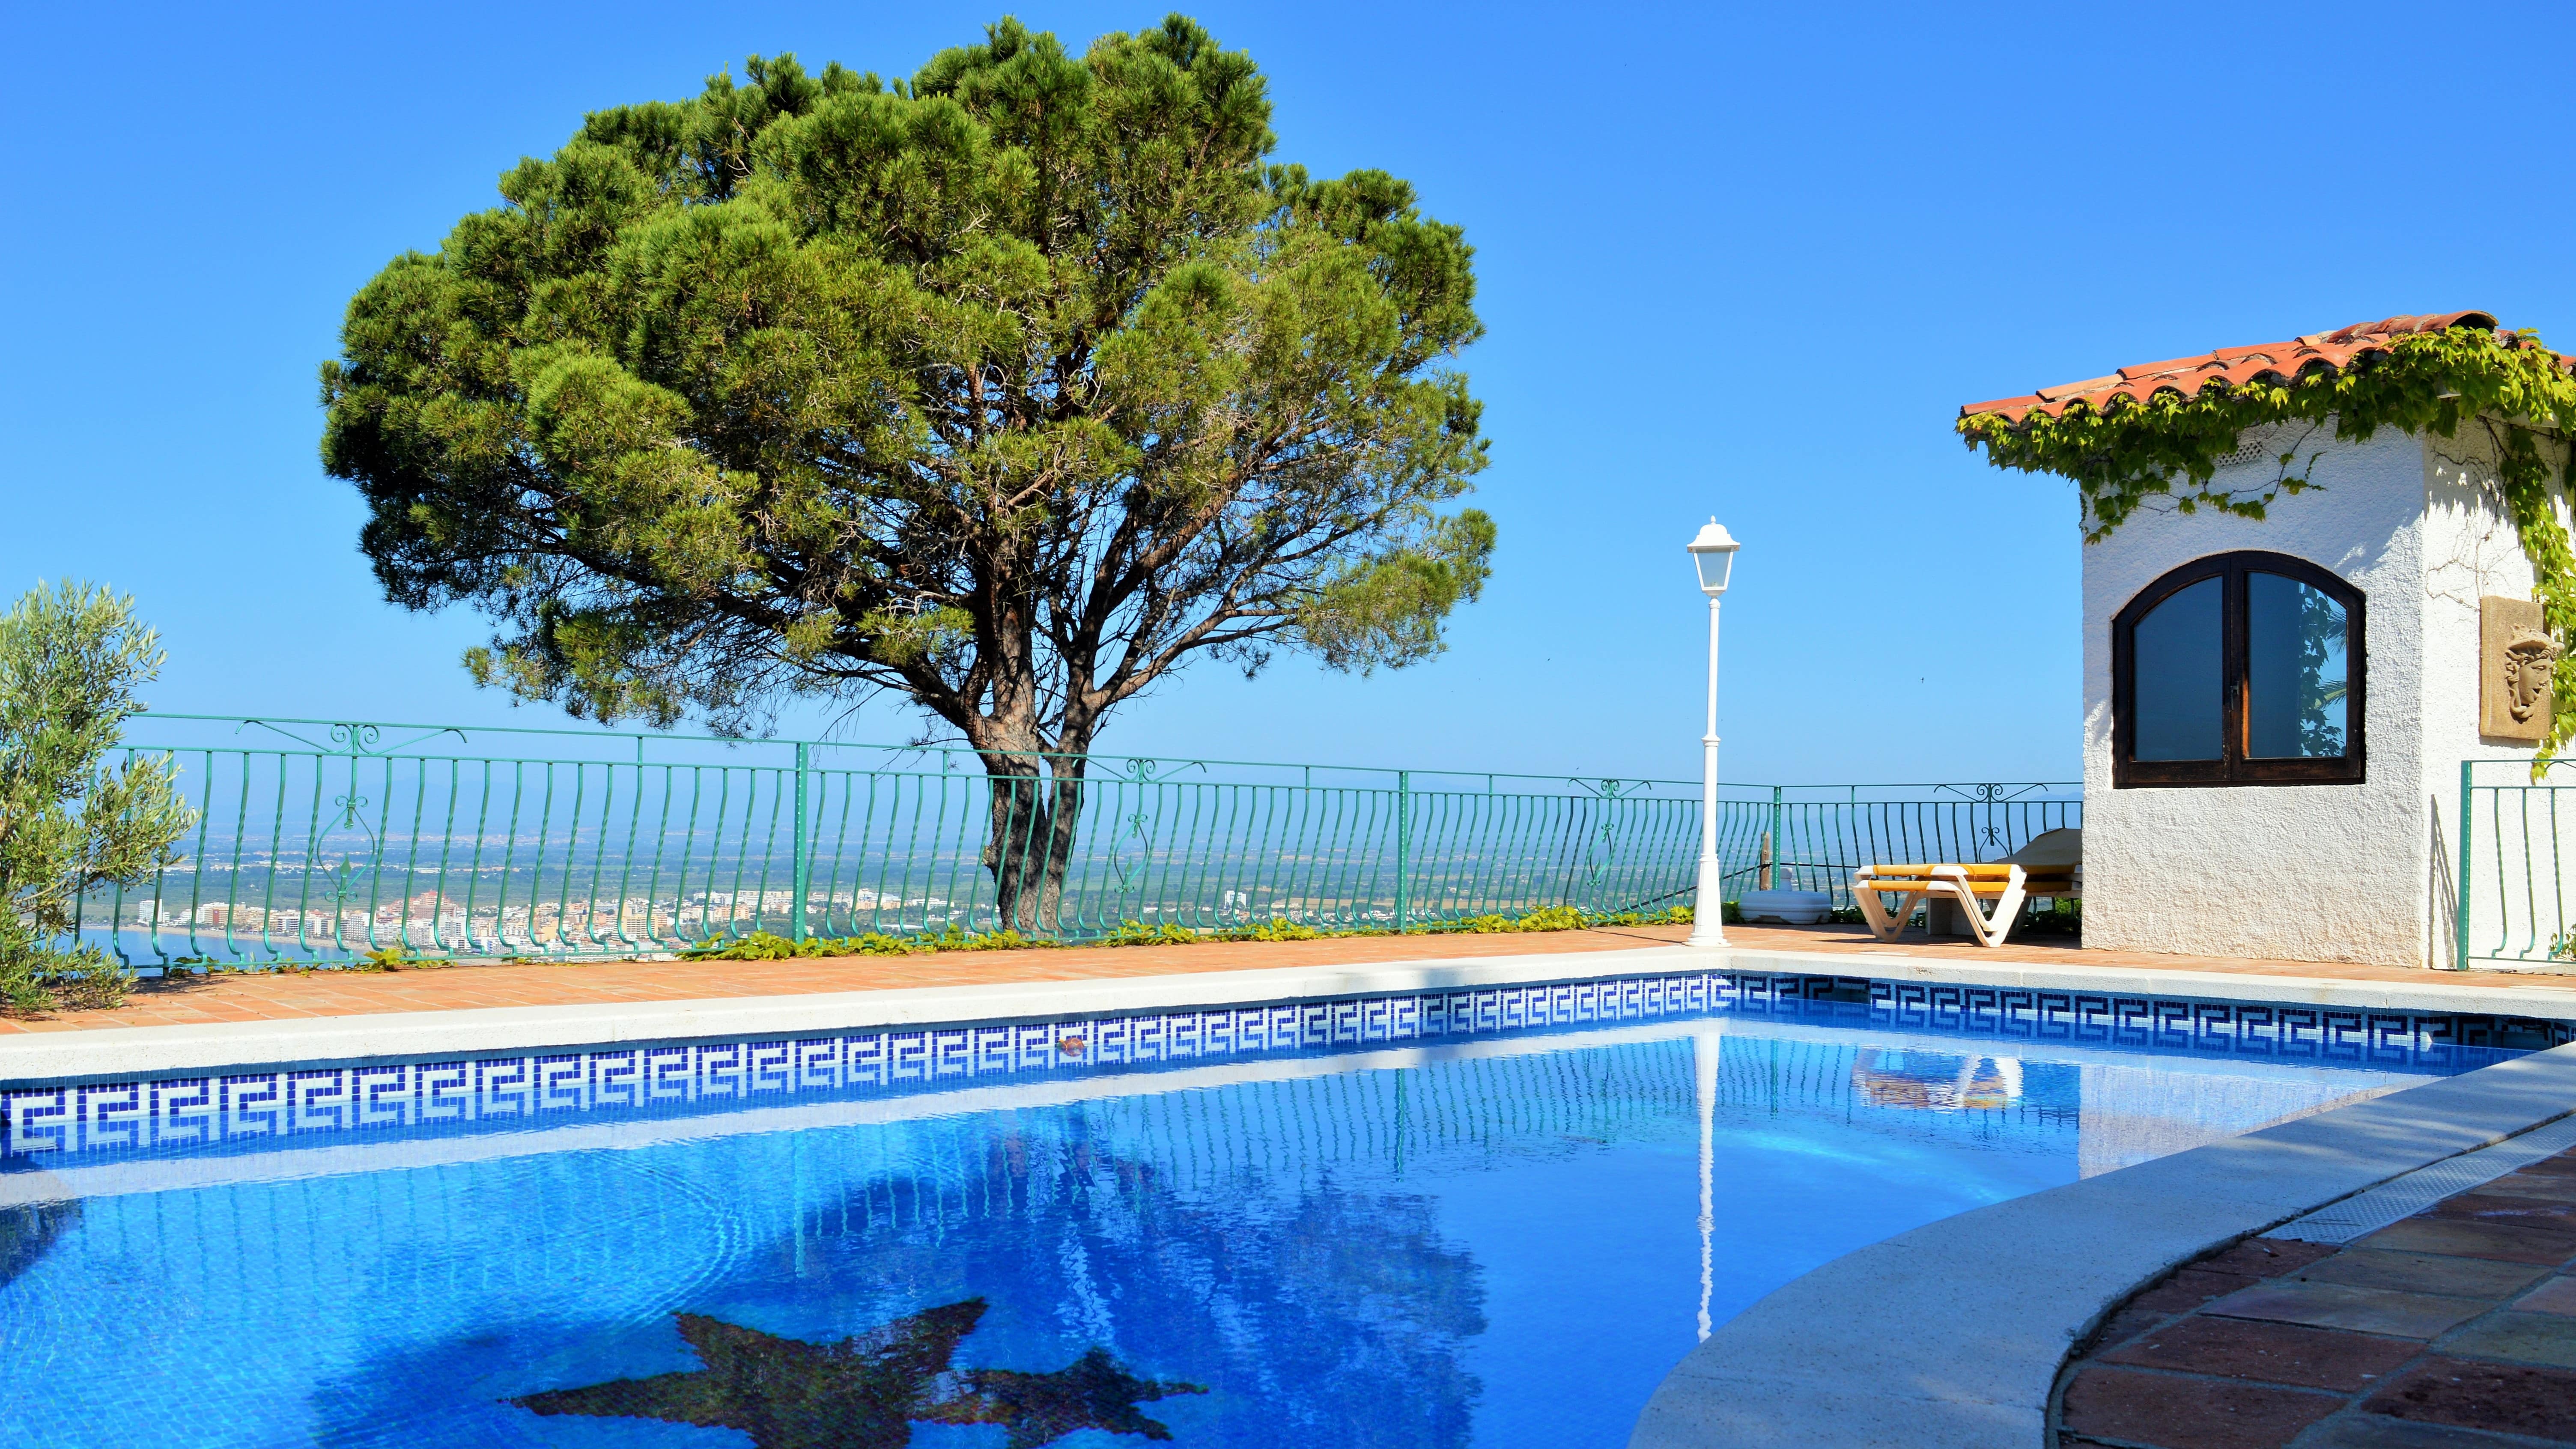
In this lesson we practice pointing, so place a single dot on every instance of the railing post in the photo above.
(1403, 846)
(1777, 842)
(2465, 837)
(804, 856)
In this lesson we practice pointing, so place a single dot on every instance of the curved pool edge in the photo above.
(1951, 1336)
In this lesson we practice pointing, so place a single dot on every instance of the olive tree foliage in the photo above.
(71, 659)
(1010, 389)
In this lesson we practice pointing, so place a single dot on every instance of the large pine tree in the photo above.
(1010, 388)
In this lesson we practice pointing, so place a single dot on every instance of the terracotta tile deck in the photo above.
(2452, 1329)
(2064, 950)
(272, 995)
(277, 995)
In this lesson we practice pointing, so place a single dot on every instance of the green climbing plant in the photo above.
(2503, 384)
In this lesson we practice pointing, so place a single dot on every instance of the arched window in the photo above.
(2238, 669)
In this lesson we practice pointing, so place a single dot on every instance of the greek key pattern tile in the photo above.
(254, 1110)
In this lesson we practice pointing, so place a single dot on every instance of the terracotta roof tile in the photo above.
(2236, 366)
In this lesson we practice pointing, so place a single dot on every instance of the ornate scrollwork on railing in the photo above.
(1140, 771)
(1990, 831)
(354, 738)
(1126, 863)
(1988, 794)
(1601, 851)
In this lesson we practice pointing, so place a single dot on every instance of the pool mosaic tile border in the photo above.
(191, 1114)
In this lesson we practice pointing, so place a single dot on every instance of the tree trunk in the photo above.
(1036, 806)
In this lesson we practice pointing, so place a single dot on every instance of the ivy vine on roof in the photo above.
(2136, 437)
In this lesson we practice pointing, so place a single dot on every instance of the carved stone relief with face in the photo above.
(2528, 664)
(2517, 670)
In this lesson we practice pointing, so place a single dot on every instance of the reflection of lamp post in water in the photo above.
(1713, 552)
(1704, 1045)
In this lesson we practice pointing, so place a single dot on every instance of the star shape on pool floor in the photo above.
(866, 1392)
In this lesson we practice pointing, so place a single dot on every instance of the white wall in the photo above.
(2471, 550)
(2337, 872)
(2295, 872)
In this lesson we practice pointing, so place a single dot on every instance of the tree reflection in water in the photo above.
(27, 1229)
(1334, 1313)
(866, 1391)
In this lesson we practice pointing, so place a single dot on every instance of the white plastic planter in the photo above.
(1794, 908)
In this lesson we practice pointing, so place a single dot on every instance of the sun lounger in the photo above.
(2052, 868)
(2052, 864)
(1888, 894)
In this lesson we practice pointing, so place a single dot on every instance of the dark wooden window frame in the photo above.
(2128, 772)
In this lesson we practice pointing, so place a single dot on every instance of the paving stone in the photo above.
(2272, 1353)
(2266, 1257)
(2362, 1310)
(2543, 1186)
(2190, 1288)
(2442, 1273)
(2558, 1295)
(2474, 1240)
(2378, 1431)
(2542, 1338)
(2123, 1326)
(2173, 1412)
(2506, 1398)
(2490, 1207)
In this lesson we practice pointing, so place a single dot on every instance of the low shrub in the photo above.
(769, 946)
(1137, 933)
(2064, 917)
(396, 957)
(1275, 929)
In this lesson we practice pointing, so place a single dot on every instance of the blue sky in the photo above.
(1742, 261)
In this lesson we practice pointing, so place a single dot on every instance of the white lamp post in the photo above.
(1714, 552)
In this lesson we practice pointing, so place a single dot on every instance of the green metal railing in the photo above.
(2517, 831)
(1816, 836)
(322, 841)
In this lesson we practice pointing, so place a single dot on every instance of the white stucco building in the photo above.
(2254, 783)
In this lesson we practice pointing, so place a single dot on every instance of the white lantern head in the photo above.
(1714, 552)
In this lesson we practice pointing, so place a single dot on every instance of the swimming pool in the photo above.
(1497, 1238)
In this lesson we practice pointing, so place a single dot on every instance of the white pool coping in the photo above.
(144, 1050)
(1951, 1336)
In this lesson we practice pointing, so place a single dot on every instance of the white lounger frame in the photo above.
(1947, 882)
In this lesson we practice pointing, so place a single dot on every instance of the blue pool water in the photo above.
(1495, 1242)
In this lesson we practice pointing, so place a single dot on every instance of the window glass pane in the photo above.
(2294, 670)
(2175, 650)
